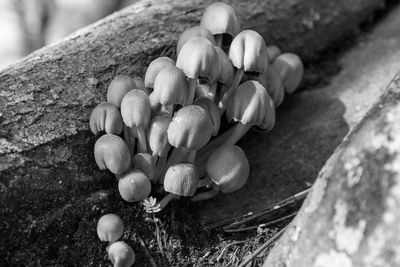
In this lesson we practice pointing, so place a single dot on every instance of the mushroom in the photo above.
(134, 186)
(145, 163)
(212, 111)
(198, 58)
(248, 53)
(110, 228)
(220, 19)
(291, 70)
(180, 180)
(196, 31)
(136, 111)
(106, 117)
(170, 88)
(121, 254)
(121, 85)
(158, 141)
(154, 68)
(112, 153)
(273, 52)
(227, 171)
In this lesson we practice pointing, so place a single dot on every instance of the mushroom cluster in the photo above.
(165, 129)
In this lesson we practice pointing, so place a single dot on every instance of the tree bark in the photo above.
(351, 216)
(48, 178)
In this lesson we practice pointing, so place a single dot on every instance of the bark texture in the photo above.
(351, 216)
(48, 179)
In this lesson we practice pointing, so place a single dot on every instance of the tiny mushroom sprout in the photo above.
(196, 31)
(106, 117)
(190, 129)
(158, 141)
(154, 68)
(180, 180)
(291, 69)
(227, 170)
(112, 153)
(136, 110)
(170, 88)
(110, 228)
(248, 53)
(213, 112)
(198, 58)
(121, 254)
(220, 19)
(145, 163)
(118, 88)
(134, 186)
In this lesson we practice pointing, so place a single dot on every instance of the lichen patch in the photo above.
(333, 259)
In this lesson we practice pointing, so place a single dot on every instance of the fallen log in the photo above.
(351, 215)
(48, 178)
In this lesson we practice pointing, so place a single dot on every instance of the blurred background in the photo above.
(27, 25)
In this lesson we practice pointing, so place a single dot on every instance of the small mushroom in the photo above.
(110, 228)
(227, 170)
(121, 254)
(248, 53)
(196, 31)
(180, 180)
(119, 86)
(198, 58)
(291, 69)
(145, 163)
(154, 68)
(111, 152)
(273, 52)
(158, 141)
(106, 117)
(220, 19)
(213, 112)
(134, 186)
(170, 88)
(136, 111)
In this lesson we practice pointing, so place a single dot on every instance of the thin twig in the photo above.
(147, 252)
(243, 229)
(263, 246)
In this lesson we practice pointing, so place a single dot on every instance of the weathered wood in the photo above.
(47, 172)
(351, 216)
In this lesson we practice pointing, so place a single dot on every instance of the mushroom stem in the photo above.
(206, 181)
(159, 167)
(213, 90)
(226, 94)
(164, 202)
(142, 140)
(129, 141)
(206, 195)
(168, 109)
(192, 90)
(218, 40)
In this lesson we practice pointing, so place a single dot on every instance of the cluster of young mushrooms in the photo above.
(165, 129)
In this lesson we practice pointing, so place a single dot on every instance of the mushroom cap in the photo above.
(121, 254)
(144, 162)
(110, 227)
(134, 186)
(190, 128)
(226, 74)
(220, 18)
(198, 57)
(136, 109)
(119, 86)
(204, 90)
(196, 31)
(157, 135)
(249, 52)
(111, 152)
(181, 179)
(106, 117)
(213, 112)
(139, 82)
(273, 52)
(154, 68)
(171, 87)
(291, 69)
(229, 168)
(250, 105)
